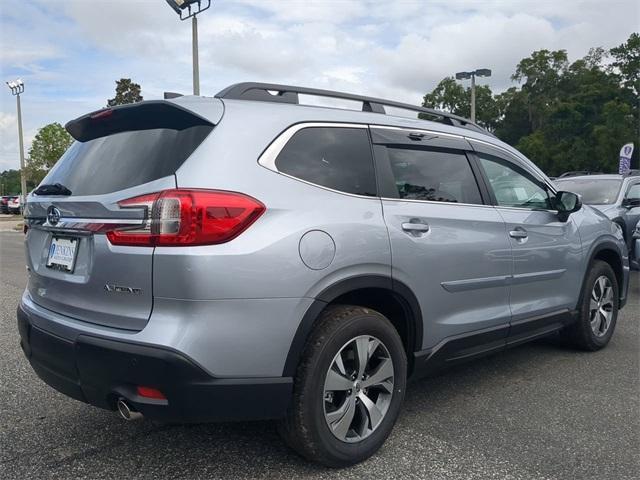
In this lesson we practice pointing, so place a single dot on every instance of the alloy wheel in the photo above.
(358, 388)
(601, 306)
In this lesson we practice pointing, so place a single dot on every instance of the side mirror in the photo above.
(567, 203)
(631, 202)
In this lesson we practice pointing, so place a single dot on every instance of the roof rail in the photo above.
(271, 92)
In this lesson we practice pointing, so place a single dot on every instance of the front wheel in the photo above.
(598, 311)
(348, 389)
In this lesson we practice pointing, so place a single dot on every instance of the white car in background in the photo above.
(14, 205)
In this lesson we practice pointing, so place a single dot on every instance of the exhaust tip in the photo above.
(126, 411)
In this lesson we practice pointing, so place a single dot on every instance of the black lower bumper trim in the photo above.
(98, 371)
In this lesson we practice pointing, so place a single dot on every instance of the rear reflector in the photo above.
(189, 217)
(149, 392)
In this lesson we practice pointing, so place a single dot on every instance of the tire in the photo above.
(593, 330)
(341, 332)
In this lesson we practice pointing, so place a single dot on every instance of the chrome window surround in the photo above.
(268, 158)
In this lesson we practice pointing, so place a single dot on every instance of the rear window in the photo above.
(333, 157)
(126, 159)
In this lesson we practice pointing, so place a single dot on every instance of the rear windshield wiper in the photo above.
(52, 189)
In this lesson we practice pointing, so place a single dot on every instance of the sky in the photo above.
(70, 52)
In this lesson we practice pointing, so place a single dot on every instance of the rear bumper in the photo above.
(98, 371)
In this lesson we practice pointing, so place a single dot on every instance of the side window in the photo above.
(634, 192)
(432, 175)
(512, 186)
(337, 158)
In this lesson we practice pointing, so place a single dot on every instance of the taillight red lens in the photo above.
(189, 217)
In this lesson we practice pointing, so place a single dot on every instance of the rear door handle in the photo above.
(415, 227)
(518, 233)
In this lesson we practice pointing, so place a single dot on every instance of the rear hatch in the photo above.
(119, 153)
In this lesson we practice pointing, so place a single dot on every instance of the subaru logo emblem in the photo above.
(53, 215)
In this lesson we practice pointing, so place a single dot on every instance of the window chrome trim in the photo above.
(268, 158)
(407, 129)
(369, 197)
(435, 202)
(505, 207)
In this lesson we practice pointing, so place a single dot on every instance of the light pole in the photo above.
(17, 87)
(481, 72)
(184, 9)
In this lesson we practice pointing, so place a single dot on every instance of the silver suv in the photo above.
(248, 257)
(617, 196)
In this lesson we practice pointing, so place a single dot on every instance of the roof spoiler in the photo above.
(147, 115)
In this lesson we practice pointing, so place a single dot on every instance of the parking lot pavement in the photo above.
(10, 222)
(538, 411)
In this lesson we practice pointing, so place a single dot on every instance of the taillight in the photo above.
(189, 217)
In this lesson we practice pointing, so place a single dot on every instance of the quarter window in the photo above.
(432, 175)
(333, 157)
(512, 186)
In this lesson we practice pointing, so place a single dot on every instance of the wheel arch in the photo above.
(381, 293)
(608, 252)
(622, 224)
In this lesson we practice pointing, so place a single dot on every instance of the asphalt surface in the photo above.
(537, 411)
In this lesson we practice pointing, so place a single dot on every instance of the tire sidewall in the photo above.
(375, 325)
(597, 270)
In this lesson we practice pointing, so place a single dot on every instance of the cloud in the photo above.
(419, 61)
(70, 52)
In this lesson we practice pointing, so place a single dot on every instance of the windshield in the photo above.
(594, 191)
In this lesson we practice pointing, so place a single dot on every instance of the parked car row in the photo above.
(10, 204)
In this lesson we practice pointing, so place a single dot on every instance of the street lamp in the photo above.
(481, 72)
(184, 9)
(17, 87)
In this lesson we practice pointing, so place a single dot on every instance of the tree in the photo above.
(451, 96)
(540, 74)
(448, 95)
(47, 147)
(513, 118)
(10, 182)
(126, 92)
(627, 62)
(627, 65)
(563, 116)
